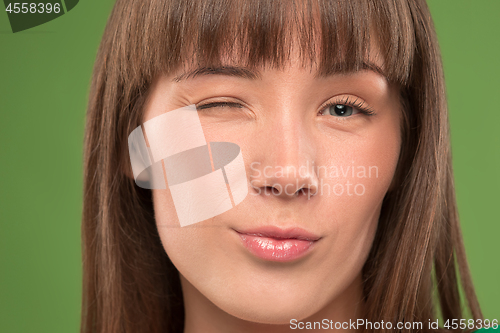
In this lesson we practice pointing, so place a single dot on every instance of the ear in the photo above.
(125, 164)
(399, 176)
(394, 183)
(396, 177)
(127, 171)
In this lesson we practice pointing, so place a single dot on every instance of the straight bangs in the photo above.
(332, 35)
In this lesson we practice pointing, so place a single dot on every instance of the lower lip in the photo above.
(273, 249)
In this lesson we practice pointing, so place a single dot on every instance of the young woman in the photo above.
(339, 110)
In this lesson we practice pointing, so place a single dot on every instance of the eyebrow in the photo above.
(223, 70)
(366, 65)
(253, 74)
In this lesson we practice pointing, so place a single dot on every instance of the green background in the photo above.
(44, 84)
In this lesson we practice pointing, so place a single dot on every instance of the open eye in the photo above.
(345, 107)
(340, 110)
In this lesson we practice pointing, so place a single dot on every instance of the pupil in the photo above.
(340, 110)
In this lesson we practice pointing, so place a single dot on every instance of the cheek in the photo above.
(165, 214)
(185, 246)
(357, 174)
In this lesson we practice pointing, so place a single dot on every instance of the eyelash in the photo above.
(218, 104)
(357, 104)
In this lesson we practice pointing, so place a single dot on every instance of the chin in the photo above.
(265, 311)
(271, 306)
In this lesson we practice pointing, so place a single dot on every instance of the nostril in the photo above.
(278, 190)
(271, 190)
(306, 191)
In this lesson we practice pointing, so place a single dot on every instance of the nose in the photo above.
(285, 165)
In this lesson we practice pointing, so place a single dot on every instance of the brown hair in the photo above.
(129, 283)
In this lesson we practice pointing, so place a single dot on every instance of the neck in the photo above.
(204, 316)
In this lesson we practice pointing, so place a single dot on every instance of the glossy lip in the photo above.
(271, 243)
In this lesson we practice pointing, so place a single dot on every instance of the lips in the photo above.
(276, 244)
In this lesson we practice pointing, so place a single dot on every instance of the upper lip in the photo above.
(280, 233)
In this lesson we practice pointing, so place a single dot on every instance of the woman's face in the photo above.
(320, 154)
